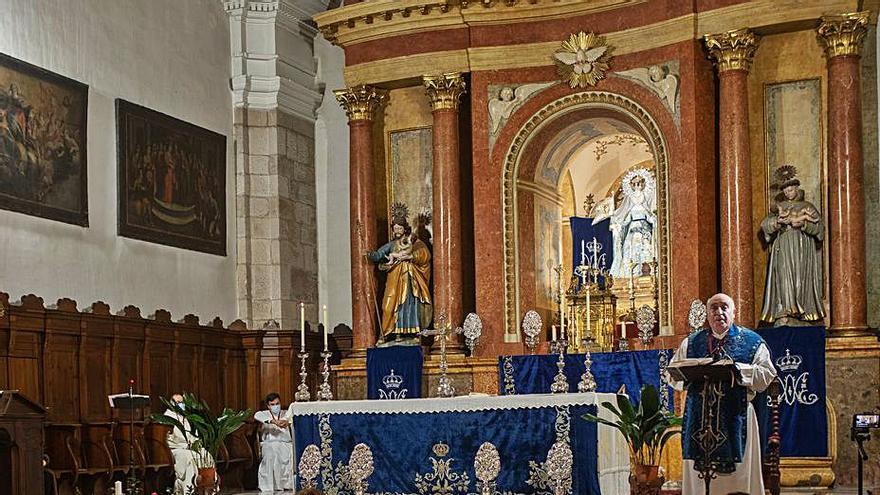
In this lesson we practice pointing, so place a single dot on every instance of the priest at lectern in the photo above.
(720, 432)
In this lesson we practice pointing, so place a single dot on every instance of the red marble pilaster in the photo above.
(733, 52)
(842, 36)
(444, 92)
(360, 105)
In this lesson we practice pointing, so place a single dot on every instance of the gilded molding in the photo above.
(510, 184)
(843, 34)
(444, 90)
(360, 102)
(733, 50)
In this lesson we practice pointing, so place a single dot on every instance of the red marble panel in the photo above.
(407, 44)
(363, 234)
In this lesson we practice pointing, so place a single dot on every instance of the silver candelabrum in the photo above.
(302, 392)
(324, 392)
(560, 384)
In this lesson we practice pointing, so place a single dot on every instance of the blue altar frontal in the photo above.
(420, 446)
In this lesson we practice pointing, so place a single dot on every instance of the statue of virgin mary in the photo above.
(633, 223)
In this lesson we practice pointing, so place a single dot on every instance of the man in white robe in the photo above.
(724, 338)
(186, 460)
(276, 444)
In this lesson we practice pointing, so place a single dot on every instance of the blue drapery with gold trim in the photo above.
(534, 374)
(405, 459)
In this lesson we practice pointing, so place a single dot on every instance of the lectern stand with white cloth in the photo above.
(421, 444)
(129, 402)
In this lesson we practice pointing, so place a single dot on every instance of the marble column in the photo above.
(842, 37)
(444, 92)
(360, 104)
(733, 52)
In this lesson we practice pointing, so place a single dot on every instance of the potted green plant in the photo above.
(646, 428)
(205, 433)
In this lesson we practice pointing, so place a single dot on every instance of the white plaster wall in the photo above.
(331, 170)
(168, 55)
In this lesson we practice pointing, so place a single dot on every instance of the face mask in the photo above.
(182, 406)
(276, 409)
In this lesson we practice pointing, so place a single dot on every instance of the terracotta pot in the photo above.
(645, 480)
(206, 481)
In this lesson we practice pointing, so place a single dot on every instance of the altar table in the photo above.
(420, 446)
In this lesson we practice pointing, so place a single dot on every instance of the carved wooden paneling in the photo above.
(211, 379)
(96, 347)
(61, 362)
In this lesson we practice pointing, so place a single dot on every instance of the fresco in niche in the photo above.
(42, 143)
(410, 174)
(794, 134)
(547, 255)
(172, 180)
(570, 142)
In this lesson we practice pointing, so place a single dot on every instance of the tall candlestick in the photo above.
(302, 326)
(326, 325)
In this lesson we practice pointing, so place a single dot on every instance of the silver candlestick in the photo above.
(560, 384)
(302, 392)
(588, 381)
(324, 392)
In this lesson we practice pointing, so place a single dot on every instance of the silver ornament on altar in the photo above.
(472, 329)
(531, 327)
(487, 465)
(302, 391)
(309, 465)
(360, 467)
(645, 320)
(697, 315)
(560, 382)
(558, 467)
(588, 381)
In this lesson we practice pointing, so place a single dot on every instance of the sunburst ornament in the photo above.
(583, 59)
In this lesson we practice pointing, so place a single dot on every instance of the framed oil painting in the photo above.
(42, 143)
(172, 180)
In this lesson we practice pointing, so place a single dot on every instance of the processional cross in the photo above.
(442, 330)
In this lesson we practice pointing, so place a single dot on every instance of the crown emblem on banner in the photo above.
(440, 449)
(789, 362)
(392, 381)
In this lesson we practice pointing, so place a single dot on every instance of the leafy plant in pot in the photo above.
(646, 428)
(204, 432)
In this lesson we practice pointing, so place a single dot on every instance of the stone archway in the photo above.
(577, 105)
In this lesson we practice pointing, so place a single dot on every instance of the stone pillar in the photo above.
(842, 37)
(274, 120)
(444, 92)
(733, 52)
(360, 104)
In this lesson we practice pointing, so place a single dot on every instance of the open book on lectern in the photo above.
(125, 401)
(702, 369)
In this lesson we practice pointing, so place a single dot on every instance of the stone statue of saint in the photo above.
(794, 231)
(406, 305)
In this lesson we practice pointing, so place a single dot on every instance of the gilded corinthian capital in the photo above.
(843, 34)
(360, 102)
(444, 90)
(733, 50)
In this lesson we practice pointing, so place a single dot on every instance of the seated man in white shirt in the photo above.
(276, 466)
(186, 460)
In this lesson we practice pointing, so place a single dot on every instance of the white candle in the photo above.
(117, 488)
(589, 328)
(622, 330)
(553, 331)
(302, 326)
(583, 252)
(326, 326)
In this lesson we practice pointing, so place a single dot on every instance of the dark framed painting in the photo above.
(43, 143)
(172, 180)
